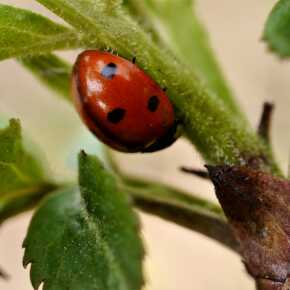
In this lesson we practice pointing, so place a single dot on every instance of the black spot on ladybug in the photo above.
(116, 115)
(153, 104)
(109, 71)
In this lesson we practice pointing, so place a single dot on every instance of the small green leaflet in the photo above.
(18, 169)
(277, 29)
(22, 175)
(86, 237)
(23, 33)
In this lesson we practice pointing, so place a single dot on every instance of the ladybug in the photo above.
(121, 104)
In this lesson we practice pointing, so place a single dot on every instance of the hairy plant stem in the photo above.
(184, 33)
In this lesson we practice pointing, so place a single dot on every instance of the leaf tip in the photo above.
(15, 124)
(89, 160)
(82, 154)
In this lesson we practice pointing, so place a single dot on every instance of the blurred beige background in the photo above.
(177, 259)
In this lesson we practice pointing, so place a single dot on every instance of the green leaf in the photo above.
(86, 241)
(23, 177)
(18, 169)
(52, 71)
(277, 29)
(23, 32)
(208, 123)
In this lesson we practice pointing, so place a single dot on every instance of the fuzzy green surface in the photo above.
(277, 29)
(87, 238)
(23, 32)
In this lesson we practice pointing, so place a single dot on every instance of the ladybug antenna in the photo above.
(134, 60)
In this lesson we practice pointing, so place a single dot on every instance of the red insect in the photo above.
(121, 104)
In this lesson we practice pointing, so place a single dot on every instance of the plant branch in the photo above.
(210, 122)
(207, 122)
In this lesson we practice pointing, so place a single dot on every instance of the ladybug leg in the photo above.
(198, 172)
(166, 141)
(265, 121)
(134, 60)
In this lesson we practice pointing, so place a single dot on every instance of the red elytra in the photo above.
(121, 104)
